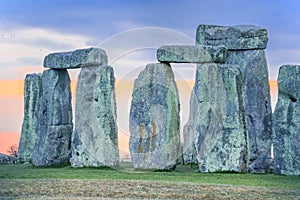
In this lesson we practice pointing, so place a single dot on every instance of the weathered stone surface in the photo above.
(95, 139)
(32, 99)
(154, 119)
(55, 120)
(189, 153)
(218, 119)
(245, 45)
(286, 122)
(191, 54)
(241, 37)
(76, 59)
(257, 100)
(6, 159)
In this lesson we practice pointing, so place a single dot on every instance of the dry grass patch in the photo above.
(133, 189)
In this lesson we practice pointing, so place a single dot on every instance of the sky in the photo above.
(130, 32)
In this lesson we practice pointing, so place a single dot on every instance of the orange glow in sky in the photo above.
(12, 92)
(7, 140)
(11, 87)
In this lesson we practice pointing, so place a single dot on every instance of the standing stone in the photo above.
(32, 99)
(95, 139)
(286, 122)
(219, 124)
(55, 120)
(189, 153)
(239, 37)
(257, 99)
(154, 119)
(246, 44)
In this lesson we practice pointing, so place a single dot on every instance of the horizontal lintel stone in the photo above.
(239, 37)
(76, 59)
(191, 54)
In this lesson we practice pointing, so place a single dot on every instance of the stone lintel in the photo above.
(191, 54)
(76, 59)
(239, 37)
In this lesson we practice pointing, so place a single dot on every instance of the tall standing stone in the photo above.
(32, 99)
(246, 44)
(55, 120)
(191, 54)
(258, 106)
(188, 150)
(154, 119)
(95, 139)
(286, 122)
(219, 124)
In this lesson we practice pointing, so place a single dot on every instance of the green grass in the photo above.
(183, 173)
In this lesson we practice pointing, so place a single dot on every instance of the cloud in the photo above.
(279, 57)
(26, 47)
(23, 49)
(146, 37)
(126, 25)
(94, 20)
(131, 50)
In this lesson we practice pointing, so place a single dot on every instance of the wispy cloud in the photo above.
(131, 50)
(26, 47)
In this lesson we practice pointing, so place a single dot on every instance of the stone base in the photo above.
(55, 149)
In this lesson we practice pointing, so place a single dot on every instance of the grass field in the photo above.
(24, 181)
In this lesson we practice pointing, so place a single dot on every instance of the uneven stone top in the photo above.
(289, 80)
(239, 37)
(34, 76)
(76, 59)
(191, 54)
(289, 73)
(293, 70)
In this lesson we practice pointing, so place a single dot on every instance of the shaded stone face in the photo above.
(257, 99)
(189, 154)
(76, 59)
(154, 119)
(217, 119)
(191, 54)
(32, 99)
(240, 37)
(95, 139)
(286, 122)
(54, 121)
